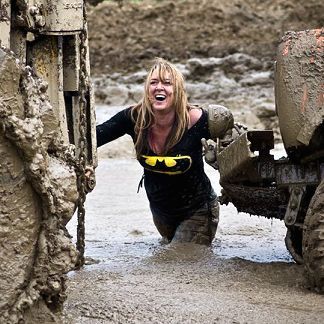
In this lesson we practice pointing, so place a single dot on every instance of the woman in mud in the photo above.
(167, 133)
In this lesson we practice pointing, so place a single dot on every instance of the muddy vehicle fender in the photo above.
(299, 90)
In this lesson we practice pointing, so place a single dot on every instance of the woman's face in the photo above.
(161, 92)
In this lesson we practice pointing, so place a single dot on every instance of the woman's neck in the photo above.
(160, 131)
(164, 120)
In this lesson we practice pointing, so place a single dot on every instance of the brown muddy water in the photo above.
(246, 276)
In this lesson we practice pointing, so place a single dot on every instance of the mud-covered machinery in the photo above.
(290, 188)
(51, 38)
(47, 145)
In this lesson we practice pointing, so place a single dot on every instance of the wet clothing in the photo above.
(176, 185)
(199, 228)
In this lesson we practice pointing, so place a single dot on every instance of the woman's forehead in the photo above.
(160, 73)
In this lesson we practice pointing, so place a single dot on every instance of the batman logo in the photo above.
(166, 164)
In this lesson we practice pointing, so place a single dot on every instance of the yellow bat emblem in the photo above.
(166, 164)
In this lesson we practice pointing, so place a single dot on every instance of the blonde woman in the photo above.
(167, 133)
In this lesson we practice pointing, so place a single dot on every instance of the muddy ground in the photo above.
(247, 275)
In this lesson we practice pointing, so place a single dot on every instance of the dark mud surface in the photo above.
(126, 37)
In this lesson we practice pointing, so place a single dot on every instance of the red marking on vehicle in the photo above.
(285, 50)
(319, 39)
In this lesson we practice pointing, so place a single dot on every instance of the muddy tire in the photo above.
(293, 241)
(38, 194)
(313, 240)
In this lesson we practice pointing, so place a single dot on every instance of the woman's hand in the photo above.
(90, 179)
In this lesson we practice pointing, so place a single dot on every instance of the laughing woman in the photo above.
(167, 132)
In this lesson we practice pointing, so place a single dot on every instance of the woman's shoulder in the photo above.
(132, 111)
(195, 114)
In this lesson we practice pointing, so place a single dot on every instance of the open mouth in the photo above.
(160, 97)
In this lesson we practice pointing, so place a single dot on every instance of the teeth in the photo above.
(160, 97)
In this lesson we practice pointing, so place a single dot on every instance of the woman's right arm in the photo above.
(117, 126)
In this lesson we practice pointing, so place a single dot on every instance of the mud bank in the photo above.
(226, 49)
(125, 35)
(37, 198)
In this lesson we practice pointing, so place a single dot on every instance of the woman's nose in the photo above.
(159, 85)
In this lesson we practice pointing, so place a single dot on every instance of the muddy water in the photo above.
(246, 276)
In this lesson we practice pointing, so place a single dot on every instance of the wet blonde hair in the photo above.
(143, 114)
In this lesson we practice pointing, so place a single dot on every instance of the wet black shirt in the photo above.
(176, 184)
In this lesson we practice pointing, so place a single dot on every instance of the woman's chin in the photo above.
(162, 107)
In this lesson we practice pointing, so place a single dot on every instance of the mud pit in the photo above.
(247, 276)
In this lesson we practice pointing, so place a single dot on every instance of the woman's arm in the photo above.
(117, 126)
